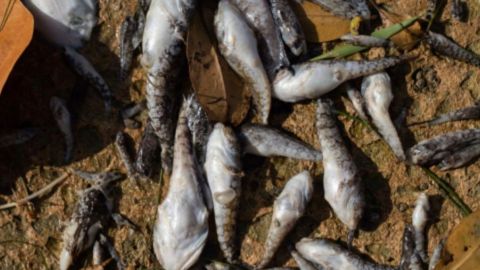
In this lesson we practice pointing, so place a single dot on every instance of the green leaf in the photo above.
(345, 50)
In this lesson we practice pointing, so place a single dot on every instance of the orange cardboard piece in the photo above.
(16, 30)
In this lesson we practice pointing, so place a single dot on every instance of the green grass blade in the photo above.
(345, 50)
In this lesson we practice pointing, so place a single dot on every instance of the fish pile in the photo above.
(263, 42)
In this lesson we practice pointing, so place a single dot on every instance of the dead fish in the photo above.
(460, 158)
(410, 259)
(131, 32)
(238, 45)
(314, 79)
(449, 48)
(432, 7)
(91, 215)
(216, 265)
(287, 209)
(341, 179)
(18, 137)
(302, 263)
(459, 10)
(66, 23)
(181, 229)
(472, 112)
(333, 256)
(357, 100)
(346, 8)
(223, 168)
(419, 221)
(377, 91)
(290, 28)
(200, 127)
(436, 255)
(258, 15)
(432, 151)
(121, 144)
(267, 142)
(366, 41)
(63, 118)
(147, 153)
(163, 46)
(85, 69)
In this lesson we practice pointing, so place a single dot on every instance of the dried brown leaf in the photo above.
(16, 30)
(220, 90)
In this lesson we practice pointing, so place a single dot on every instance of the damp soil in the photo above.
(31, 235)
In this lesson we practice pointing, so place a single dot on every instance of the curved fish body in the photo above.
(410, 259)
(18, 137)
(66, 23)
(238, 45)
(181, 229)
(200, 126)
(419, 221)
(302, 263)
(147, 154)
(377, 91)
(432, 151)
(341, 180)
(313, 79)
(91, 215)
(346, 8)
(267, 142)
(121, 143)
(472, 112)
(224, 171)
(366, 41)
(460, 158)
(85, 69)
(357, 100)
(447, 47)
(163, 46)
(436, 255)
(333, 256)
(259, 16)
(64, 122)
(287, 209)
(290, 28)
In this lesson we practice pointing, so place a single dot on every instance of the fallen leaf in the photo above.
(16, 30)
(220, 91)
(462, 249)
(318, 24)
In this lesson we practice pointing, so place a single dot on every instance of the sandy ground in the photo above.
(31, 238)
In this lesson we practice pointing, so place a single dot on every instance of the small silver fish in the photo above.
(410, 259)
(259, 17)
(357, 100)
(181, 229)
(314, 79)
(200, 127)
(459, 10)
(238, 45)
(302, 263)
(419, 221)
(85, 69)
(267, 142)
(63, 118)
(18, 137)
(64, 22)
(287, 209)
(449, 48)
(377, 91)
(223, 168)
(436, 255)
(290, 28)
(333, 256)
(346, 8)
(432, 151)
(366, 41)
(341, 179)
(460, 158)
(163, 47)
(121, 144)
(90, 217)
(468, 113)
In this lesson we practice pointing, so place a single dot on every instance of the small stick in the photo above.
(36, 194)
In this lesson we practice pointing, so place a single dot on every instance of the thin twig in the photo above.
(36, 194)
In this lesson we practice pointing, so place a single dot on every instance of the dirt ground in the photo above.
(31, 235)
